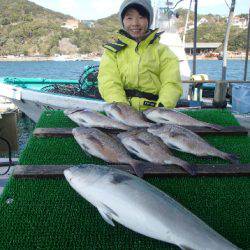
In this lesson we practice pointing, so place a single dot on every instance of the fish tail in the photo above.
(215, 127)
(185, 165)
(231, 157)
(138, 167)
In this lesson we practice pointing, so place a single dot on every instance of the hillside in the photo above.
(214, 31)
(29, 29)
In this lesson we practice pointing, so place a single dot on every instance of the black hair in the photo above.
(142, 11)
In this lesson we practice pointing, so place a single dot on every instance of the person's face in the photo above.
(135, 24)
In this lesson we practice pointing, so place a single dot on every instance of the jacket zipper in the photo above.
(136, 50)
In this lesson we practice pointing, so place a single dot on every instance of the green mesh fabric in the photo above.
(49, 214)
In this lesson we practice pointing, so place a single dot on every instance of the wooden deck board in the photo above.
(67, 132)
(56, 171)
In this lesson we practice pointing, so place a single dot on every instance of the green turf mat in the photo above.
(49, 214)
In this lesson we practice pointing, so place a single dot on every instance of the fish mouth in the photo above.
(86, 172)
(67, 111)
(74, 171)
(68, 174)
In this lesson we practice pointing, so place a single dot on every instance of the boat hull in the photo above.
(33, 102)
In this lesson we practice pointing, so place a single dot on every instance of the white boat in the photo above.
(165, 19)
(27, 95)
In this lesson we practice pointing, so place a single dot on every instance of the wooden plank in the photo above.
(229, 130)
(56, 171)
(5, 161)
(52, 132)
(67, 132)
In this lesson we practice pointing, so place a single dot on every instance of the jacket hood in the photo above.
(144, 3)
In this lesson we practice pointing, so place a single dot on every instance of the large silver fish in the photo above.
(182, 139)
(126, 114)
(90, 118)
(105, 147)
(150, 148)
(141, 207)
(170, 116)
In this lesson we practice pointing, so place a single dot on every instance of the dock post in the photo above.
(221, 88)
(247, 49)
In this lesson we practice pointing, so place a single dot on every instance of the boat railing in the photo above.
(219, 99)
(215, 81)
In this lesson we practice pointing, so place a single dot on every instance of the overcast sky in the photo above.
(96, 9)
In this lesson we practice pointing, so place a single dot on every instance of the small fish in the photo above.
(141, 207)
(182, 139)
(90, 118)
(150, 148)
(170, 116)
(105, 147)
(125, 114)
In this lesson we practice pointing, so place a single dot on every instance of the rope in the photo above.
(227, 4)
(177, 4)
(10, 160)
(87, 85)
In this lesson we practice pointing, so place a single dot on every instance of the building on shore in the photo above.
(201, 48)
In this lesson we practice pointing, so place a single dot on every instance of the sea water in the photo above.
(73, 69)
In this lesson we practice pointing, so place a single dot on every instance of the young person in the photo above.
(137, 69)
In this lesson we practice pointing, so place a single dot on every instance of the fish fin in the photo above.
(186, 166)
(110, 116)
(139, 168)
(232, 158)
(90, 111)
(185, 248)
(93, 139)
(72, 111)
(140, 141)
(215, 126)
(132, 150)
(164, 120)
(107, 213)
(117, 108)
(174, 147)
(189, 168)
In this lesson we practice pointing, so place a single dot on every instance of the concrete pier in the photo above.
(6, 105)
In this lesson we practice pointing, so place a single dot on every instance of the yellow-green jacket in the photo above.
(147, 67)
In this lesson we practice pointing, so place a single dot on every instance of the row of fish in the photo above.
(150, 143)
(122, 116)
(127, 199)
(141, 207)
